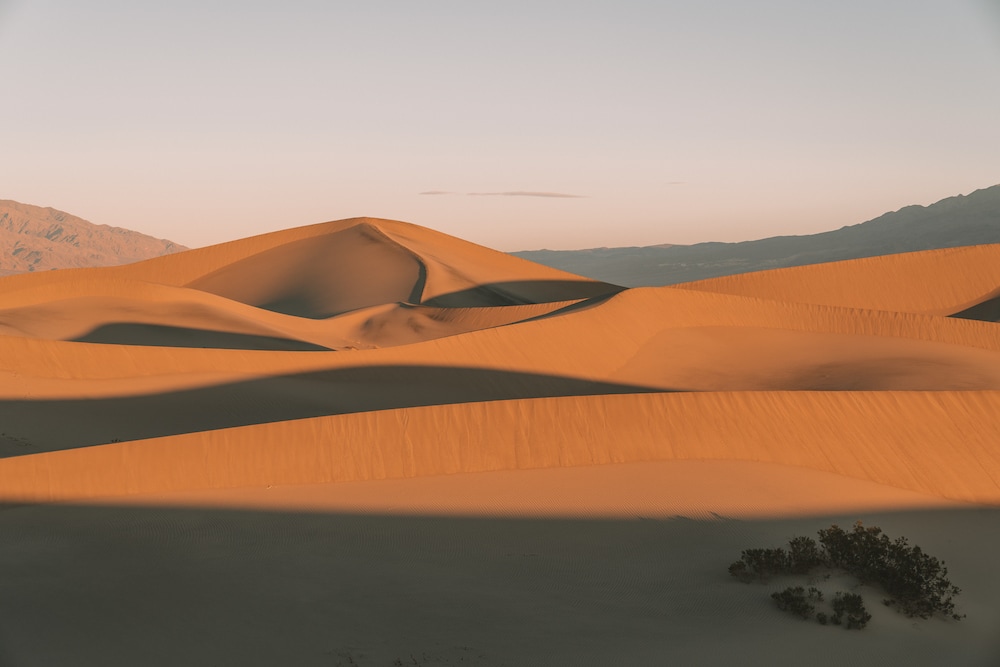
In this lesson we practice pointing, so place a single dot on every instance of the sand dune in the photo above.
(611, 338)
(933, 282)
(128, 359)
(367, 365)
(140, 313)
(935, 443)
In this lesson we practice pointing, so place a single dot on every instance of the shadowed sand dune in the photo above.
(163, 335)
(987, 310)
(371, 366)
(74, 310)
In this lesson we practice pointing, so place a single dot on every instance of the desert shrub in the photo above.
(759, 563)
(821, 618)
(861, 551)
(793, 600)
(740, 570)
(836, 546)
(803, 555)
(917, 583)
(851, 606)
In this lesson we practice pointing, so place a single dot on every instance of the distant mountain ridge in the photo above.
(35, 238)
(956, 221)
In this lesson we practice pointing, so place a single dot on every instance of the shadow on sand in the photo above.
(161, 335)
(54, 424)
(985, 311)
(520, 292)
(112, 585)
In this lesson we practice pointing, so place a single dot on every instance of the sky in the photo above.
(516, 125)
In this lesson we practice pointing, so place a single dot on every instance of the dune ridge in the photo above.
(936, 443)
(452, 265)
(617, 329)
(419, 354)
(71, 310)
(931, 282)
(376, 441)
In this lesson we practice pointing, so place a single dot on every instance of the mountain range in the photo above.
(956, 221)
(33, 238)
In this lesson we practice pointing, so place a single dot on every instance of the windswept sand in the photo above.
(933, 282)
(366, 441)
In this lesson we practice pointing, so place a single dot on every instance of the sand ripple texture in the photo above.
(368, 443)
(369, 349)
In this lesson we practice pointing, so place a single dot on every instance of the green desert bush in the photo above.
(797, 600)
(803, 555)
(917, 584)
(849, 608)
(793, 600)
(759, 564)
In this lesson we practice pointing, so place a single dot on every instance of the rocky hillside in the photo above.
(33, 238)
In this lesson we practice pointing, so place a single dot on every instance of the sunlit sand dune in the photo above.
(935, 282)
(321, 270)
(128, 359)
(140, 313)
(588, 340)
(936, 443)
(370, 367)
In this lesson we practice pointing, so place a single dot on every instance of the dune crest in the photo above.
(935, 443)
(381, 427)
(930, 282)
(369, 349)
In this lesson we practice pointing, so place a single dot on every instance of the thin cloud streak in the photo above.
(516, 193)
(555, 195)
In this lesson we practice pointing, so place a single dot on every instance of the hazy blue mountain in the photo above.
(956, 221)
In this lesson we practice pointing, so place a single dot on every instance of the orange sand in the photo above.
(371, 373)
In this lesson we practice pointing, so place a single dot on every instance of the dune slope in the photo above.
(364, 349)
(385, 445)
(934, 282)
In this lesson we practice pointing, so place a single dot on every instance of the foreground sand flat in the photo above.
(459, 571)
(272, 405)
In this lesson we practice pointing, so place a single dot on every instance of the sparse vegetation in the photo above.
(793, 600)
(916, 583)
(803, 555)
(759, 564)
(852, 606)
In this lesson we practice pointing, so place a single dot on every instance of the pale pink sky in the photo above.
(671, 121)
